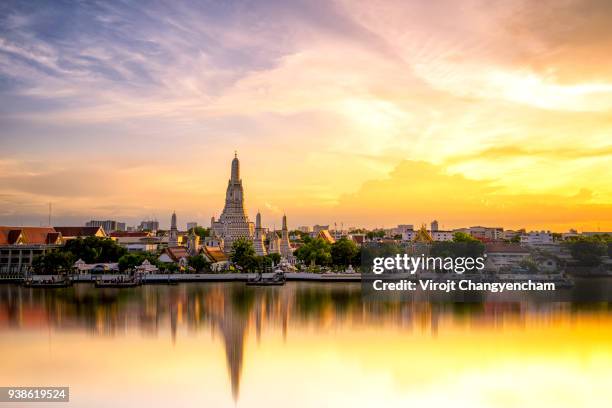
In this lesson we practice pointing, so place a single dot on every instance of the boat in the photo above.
(278, 279)
(117, 283)
(48, 283)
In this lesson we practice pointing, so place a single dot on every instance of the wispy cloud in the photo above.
(320, 96)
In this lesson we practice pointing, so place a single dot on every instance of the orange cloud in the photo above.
(417, 191)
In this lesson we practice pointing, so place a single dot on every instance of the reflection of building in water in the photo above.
(230, 310)
(233, 329)
(224, 314)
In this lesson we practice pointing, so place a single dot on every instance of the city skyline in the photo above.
(370, 115)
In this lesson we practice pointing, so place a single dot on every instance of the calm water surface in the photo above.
(301, 345)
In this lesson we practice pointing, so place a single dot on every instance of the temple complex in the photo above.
(234, 223)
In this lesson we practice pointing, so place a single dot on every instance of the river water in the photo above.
(301, 345)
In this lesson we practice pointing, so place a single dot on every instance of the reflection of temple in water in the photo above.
(229, 310)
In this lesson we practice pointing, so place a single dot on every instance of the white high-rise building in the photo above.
(233, 222)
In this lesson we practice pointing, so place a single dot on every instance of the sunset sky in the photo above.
(369, 113)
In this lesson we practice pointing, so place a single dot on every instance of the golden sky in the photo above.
(356, 112)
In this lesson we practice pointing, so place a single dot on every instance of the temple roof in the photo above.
(215, 254)
(326, 236)
(422, 235)
(80, 231)
(28, 235)
(176, 253)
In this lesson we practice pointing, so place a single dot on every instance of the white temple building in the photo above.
(233, 222)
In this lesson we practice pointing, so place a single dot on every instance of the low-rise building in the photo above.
(357, 238)
(439, 235)
(408, 235)
(135, 241)
(217, 258)
(178, 255)
(547, 263)
(502, 255)
(537, 238)
(572, 233)
(509, 235)
(485, 234)
(84, 268)
(19, 246)
(401, 229)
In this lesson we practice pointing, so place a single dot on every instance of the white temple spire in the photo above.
(235, 169)
(173, 237)
(258, 240)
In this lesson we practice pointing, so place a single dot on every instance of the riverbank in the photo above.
(205, 277)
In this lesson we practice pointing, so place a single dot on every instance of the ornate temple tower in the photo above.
(258, 240)
(233, 222)
(173, 238)
(275, 242)
(285, 246)
(193, 245)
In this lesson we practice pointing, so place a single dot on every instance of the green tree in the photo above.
(379, 233)
(133, 259)
(95, 249)
(317, 251)
(53, 262)
(529, 264)
(273, 258)
(300, 234)
(463, 237)
(344, 252)
(199, 263)
(201, 231)
(588, 251)
(243, 255)
(170, 267)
